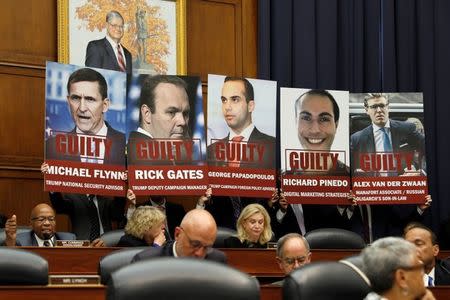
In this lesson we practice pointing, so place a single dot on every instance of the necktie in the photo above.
(236, 203)
(46, 243)
(430, 281)
(235, 162)
(387, 145)
(93, 219)
(120, 59)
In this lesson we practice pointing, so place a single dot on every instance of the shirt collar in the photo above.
(103, 131)
(376, 127)
(41, 241)
(112, 42)
(143, 131)
(245, 133)
(174, 249)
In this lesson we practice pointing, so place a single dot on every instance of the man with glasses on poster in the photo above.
(109, 53)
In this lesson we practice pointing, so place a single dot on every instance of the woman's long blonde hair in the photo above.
(247, 212)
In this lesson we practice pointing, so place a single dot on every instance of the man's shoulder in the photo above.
(396, 124)
(138, 135)
(153, 252)
(114, 133)
(258, 135)
(99, 42)
(217, 256)
(363, 132)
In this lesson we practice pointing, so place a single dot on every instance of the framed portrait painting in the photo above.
(154, 31)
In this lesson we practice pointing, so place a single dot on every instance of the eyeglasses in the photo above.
(376, 106)
(117, 27)
(196, 245)
(301, 260)
(51, 219)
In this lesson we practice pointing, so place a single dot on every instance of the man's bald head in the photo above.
(42, 221)
(196, 233)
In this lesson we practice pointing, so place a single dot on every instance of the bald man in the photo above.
(193, 238)
(292, 252)
(43, 229)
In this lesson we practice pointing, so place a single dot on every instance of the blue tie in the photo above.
(386, 141)
(430, 281)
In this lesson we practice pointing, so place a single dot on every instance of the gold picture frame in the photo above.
(64, 34)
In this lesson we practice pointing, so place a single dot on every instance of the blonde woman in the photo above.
(253, 228)
(146, 227)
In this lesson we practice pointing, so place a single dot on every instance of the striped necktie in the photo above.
(120, 59)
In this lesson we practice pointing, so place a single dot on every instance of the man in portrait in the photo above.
(96, 142)
(384, 135)
(164, 111)
(238, 104)
(109, 53)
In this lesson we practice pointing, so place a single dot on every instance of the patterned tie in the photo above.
(430, 281)
(46, 243)
(93, 219)
(235, 163)
(120, 59)
(387, 145)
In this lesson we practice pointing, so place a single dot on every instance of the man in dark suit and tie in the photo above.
(193, 238)
(88, 102)
(164, 111)
(108, 53)
(384, 135)
(437, 271)
(238, 104)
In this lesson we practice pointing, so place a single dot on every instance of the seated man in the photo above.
(292, 252)
(43, 230)
(437, 272)
(193, 238)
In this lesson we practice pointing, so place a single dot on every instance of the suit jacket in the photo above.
(234, 242)
(129, 240)
(442, 272)
(76, 206)
(268, 159)
(405, 138)
(28, 239)
(116, 157)
(387, 220)
(221, 208)
(167, 250)
(100, 54)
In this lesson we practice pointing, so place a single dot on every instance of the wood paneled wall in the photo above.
(221, 39)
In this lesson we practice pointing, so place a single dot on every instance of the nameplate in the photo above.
(271, 245)
(72, 243)
(73, 279)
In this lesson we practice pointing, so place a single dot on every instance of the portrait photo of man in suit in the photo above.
(317, 117)
(385, 135)
(164, 112)
(108, 52)
(87, 99)
(238, 104)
